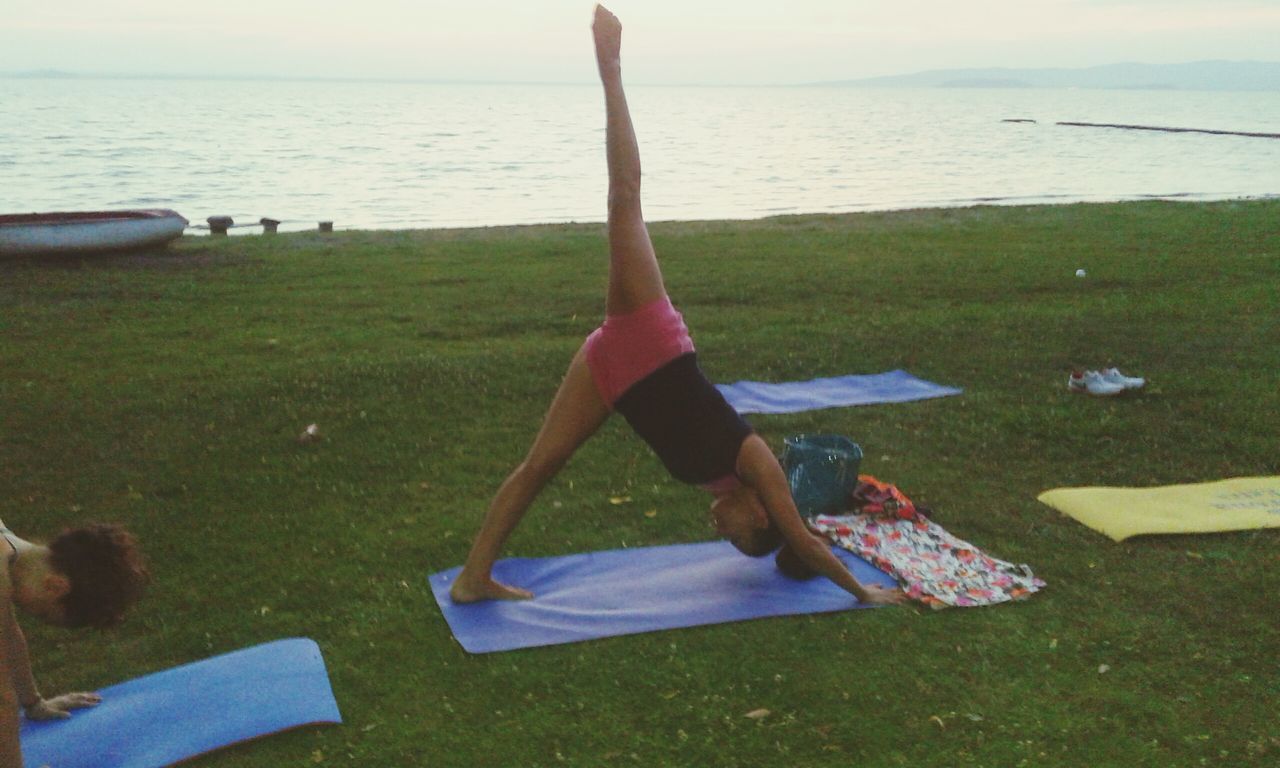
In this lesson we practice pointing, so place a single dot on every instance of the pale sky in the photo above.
(664, 41)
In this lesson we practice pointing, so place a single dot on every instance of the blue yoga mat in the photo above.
(795, 396)
(629, 591)
(170, 716)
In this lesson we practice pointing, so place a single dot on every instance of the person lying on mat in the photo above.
(87, 576)
(641, 362)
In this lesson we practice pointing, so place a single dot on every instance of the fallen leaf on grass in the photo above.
(938, 720)
(757, 714)
(651, 513)
(616, 500)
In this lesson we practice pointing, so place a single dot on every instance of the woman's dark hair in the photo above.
(792, 566)
(762, 541)
(106, 570)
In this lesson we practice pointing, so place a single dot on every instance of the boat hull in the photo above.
(39, 234)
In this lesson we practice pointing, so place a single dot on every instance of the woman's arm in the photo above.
(19, 662)
(10, 749)
(759, 468)
(15, 666)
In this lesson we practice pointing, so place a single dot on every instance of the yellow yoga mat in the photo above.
(1226, 505)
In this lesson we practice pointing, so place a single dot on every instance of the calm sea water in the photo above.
(384, 155)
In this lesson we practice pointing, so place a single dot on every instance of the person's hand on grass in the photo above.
(462, 592)
(59, 707)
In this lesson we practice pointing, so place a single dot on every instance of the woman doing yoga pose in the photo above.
(641, 362)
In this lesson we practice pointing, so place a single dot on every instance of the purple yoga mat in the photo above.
(174, 715)
(795, 396)
(629, 591)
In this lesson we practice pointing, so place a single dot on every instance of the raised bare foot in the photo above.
(607, 31)
(466, 592)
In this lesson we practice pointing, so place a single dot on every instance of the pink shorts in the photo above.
(626, 348)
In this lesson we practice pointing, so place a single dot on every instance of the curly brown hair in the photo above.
(106, 570)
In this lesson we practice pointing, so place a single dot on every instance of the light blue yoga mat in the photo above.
(837, 392)
(175, 715)
(629, 591)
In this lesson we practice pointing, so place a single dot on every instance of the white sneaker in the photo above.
(1114, 376)
(1092, 382)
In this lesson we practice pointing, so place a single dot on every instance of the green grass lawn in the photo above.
(168, 391)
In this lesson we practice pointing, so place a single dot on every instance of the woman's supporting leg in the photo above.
(575, 414)
(634, 276)
(577, 410)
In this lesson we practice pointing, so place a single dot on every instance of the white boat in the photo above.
(38, 234)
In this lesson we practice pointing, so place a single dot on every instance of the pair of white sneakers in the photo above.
(1106, 383)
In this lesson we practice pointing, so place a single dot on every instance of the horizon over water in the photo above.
(428, 155)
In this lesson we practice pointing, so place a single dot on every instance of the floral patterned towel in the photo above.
(932, 566)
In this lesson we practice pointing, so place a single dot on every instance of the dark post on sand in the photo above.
(218, 225)
(269, 225)
(326, 226)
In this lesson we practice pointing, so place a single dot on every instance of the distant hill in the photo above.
(39, 74)
(1192, 76)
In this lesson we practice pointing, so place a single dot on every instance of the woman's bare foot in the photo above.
(608, 35)
(467, 592)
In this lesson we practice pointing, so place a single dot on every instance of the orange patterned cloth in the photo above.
(934, 567)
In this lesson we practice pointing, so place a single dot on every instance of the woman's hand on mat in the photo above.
(59, 707)
(488, 589)
(883, 596)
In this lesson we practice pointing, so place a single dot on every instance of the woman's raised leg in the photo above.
(575, 414)
(634, 276)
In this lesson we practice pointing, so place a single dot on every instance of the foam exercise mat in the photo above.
(174, 715)
(1226, 505)
(795, 396)
(629, 591)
